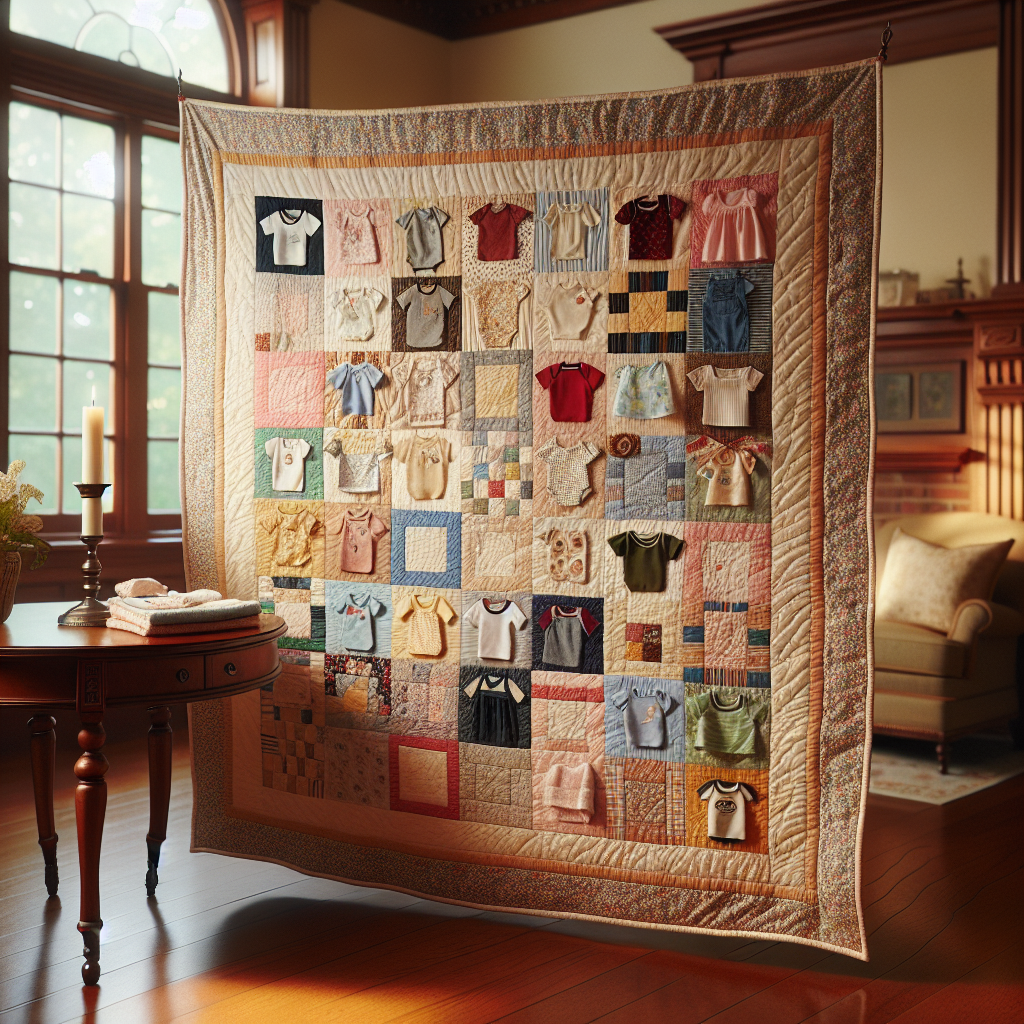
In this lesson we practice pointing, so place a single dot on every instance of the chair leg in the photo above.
(942, 753)
(43, 745)
(159, 790)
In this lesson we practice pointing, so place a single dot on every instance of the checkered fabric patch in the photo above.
(647, 311)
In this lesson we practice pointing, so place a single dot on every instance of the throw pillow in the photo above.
(924, 584)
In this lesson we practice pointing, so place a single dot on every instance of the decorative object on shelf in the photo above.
(897, 287)
(920, 398)
(17, 533)
(959, 281)
(90, 611)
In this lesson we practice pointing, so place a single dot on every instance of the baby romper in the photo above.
(726, 319)
(568, 480)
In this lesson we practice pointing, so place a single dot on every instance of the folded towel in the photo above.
(172, 599)
(143, 587)
(140, 611)
(183, 629)
(570, 791)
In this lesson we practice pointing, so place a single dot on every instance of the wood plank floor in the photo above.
(236, 942)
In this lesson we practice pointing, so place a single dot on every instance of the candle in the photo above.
(92, 442)
(92, 517)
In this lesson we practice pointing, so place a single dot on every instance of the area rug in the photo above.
(909, 770)
(546, 429)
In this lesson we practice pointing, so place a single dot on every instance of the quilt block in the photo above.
(544, 433)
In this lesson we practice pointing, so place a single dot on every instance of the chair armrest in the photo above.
(970, 618)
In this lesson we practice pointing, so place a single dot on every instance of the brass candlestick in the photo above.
(90, 611)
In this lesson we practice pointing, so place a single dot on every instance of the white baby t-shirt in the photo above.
(290, 228)
(727, 809)
(287, 458)
(494, 622)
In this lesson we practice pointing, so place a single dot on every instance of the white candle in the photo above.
(92, 517)
(92, 442)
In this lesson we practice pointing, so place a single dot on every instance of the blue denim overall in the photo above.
(726, 320)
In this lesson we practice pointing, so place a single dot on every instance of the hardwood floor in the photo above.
(237, 942)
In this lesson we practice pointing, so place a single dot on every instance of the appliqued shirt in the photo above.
(424, 317)
(726, 398)
(424, 244)
(287, 459)
(290, 229)
(425, 390)
(357, 622)
(291, 527)
(728, 475)
(495, 621)
(568, 552)
(496, 304)
(727, 809)
(570, 309)
(358, 241)
(569, 224)
(359, 529)
(359, 467)
(565, 633)
(570, 388)
(357, 310)
(426, 465)
(650, 225)
(497, 223)
(425, 624)
(568, 479)
(644, 392)
(357, 384)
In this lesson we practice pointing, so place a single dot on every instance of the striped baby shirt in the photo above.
(726, 393)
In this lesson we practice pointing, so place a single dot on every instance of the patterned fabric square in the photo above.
(496, 489)
(424, 776)
(645, 484)
(494, 785)
(357, 767)
(646, 801)
(648, 311)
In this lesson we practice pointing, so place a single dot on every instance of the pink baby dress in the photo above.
(734, 233)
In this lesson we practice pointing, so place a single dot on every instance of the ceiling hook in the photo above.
(181, 95)
(883, 53)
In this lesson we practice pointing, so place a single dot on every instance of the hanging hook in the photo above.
(181, 95)
(883, 53)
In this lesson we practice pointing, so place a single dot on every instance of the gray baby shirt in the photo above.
(424, 318)
(643, 715)
(423, 240)
(565, 633)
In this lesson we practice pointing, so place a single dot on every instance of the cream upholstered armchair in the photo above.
(935, 686)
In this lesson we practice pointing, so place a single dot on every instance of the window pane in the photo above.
(34, 313)
(163, 477)
(161, 174)
(32, 393)
(32, 147)
(71, 501)
(161, 248)
(87, 319)
(164, 402)
(33, 226)
(79, 380)
(88, 157)
(89, 235)
(40, 455)
(164, 320)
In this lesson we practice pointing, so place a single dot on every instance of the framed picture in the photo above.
(920, 398)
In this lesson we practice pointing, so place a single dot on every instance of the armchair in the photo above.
(935, 686)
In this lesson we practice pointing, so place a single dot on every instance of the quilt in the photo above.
(547, 430)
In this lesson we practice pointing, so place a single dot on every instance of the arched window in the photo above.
(157, 35)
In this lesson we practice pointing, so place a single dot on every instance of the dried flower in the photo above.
(17, 530)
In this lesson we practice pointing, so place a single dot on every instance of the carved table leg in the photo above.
(43, 745)
(942, 753)
(90, 809)
(160, 740)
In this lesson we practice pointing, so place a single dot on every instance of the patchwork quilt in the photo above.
(473, 705)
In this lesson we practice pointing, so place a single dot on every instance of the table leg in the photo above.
(160, 740)
(90, 809)
(43, 745)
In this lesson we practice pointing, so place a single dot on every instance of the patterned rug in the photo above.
(908, 769)
(413, 340)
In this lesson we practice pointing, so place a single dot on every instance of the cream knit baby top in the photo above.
(425, 625)
(726, 393)
(568, 480)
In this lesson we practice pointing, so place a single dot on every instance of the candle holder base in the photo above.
(90, 611)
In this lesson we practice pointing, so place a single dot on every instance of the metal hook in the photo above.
(883, 53)
(181, 95)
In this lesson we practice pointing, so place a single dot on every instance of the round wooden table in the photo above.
(46, 667)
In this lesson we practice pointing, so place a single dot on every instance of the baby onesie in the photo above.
(568, 479)
(426, 465)
(357, 309)
(423, 242)
(497, 223)
(569, 223)
(359, 529)
(567, 554)
(570, 388)
(356, 384)
(290, 229)
(644, 392)
(425, 624)
(494, 699)
(287, 459)
(569, 309)
(565, 632)
(727, 809)
(495, 621)
(424, 317)
(496, 304)
(650, 225)
(357, 622)
(726, 399)
(734, 232)
(358, 241)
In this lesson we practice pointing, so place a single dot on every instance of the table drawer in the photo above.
(135, 677)
(232, 667)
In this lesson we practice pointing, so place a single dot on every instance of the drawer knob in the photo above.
(182, 675)
(230, 668)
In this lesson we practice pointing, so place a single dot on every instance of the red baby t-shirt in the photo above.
(570, 388)
(650, 225)
(497, 238)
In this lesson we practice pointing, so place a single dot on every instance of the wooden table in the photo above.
(46, 667)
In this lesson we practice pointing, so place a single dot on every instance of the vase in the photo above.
(10, 572)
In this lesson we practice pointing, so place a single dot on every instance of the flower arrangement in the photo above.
(17, 530)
